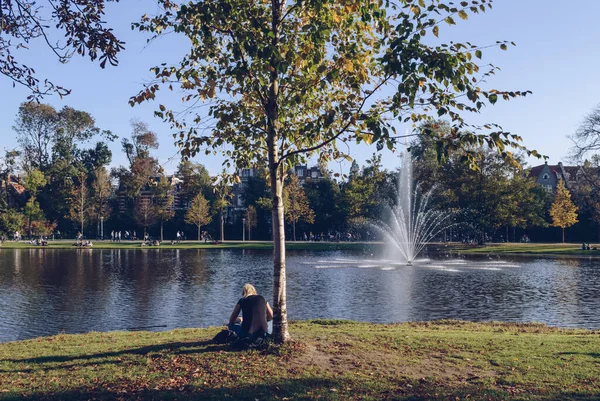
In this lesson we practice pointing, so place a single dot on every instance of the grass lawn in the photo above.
(531, 249)
(68, 244)
(329, 360)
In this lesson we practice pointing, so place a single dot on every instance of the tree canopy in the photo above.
(66, 27)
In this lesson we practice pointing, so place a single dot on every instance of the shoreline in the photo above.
(267, 245)
(508, 249)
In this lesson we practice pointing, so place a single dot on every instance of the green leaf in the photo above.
(436, 31)
(450, 21)
(493, 98)
(463, 14)
(503, 46)
(478, 54)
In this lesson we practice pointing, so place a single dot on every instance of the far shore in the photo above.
(520, 249)
(188, 244)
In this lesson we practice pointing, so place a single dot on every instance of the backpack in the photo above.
(225, 337)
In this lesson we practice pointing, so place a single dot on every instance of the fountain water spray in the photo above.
(412, 224)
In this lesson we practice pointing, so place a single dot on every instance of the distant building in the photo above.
(305, 173)
(146, 194)
(548, 176)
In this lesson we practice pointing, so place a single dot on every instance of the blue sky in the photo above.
(556, 57)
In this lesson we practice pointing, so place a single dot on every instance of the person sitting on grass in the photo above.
(256, 312)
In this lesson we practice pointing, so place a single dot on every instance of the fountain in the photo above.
(412, 224)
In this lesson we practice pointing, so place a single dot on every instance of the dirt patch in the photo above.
(339, 358)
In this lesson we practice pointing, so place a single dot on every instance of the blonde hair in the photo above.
(248, 290)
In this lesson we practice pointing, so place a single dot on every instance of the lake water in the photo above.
(45, 291)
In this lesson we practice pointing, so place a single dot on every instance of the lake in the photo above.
(45, 291)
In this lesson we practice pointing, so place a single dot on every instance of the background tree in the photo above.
(34, 181)
(367, 191)
(145, 214)
(523, 204)
(198, 213)
(35, 126)
(256, 187)
(195, 179)
(324, 198)
(81, 205)
(354, 66)
(563, 210)
(8, 163)
(101, 193)
(222, 191)
(142, 166)
(73, 127)
(296, 204)
(10, 221)
(586, 139)
(65, 27)
(251, 220)
(163, 201)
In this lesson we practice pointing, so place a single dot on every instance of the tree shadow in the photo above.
(592, 354)
(302, 389)
(179, 348)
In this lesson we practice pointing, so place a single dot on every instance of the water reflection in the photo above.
(46, 291)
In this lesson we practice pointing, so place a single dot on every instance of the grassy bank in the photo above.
(68, 244)
(328, 360)
(529, 249)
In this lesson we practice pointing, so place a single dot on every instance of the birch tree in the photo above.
(251, 220)
(164, 199)
(286, 79)
(81, 203)
(102, 190)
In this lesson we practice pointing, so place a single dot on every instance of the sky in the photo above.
(556, 57)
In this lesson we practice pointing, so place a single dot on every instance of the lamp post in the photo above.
(244, 229)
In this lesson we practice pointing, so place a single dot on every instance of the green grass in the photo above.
(529, 249)
(328, 360)
(68, 244)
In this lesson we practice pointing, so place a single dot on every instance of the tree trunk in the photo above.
(81, 228)
(249, 232)
(198, 233)
(222, 224)
(563, 234)
(506, 239)
(280, 324)
(294, 230)
(276, 175)
(161, 231)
